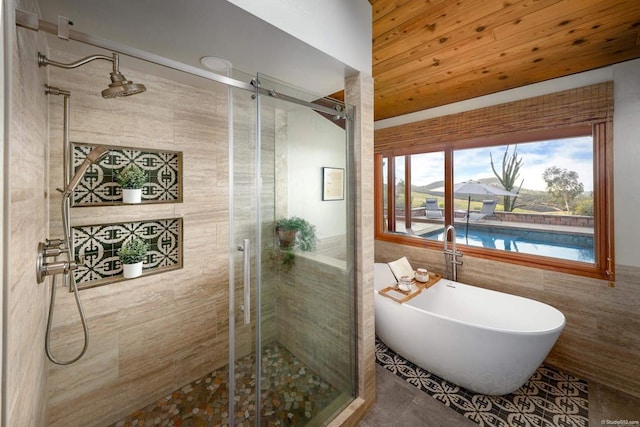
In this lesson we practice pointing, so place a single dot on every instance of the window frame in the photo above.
(603, 268)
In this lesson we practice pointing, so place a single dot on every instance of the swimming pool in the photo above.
(574, 247)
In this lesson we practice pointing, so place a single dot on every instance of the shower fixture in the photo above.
(55, 248)
(93, 157)
(119, 86)
(58, 247)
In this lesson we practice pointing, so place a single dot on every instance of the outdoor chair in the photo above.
(488, 210)
(432, 210)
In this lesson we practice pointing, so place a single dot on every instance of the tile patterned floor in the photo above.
(550, 398)
(292, 395)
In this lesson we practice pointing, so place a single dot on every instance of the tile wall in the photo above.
(26, 380)
(150, 335)
(359, 93)
(313, 316)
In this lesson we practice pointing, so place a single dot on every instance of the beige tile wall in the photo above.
(601, 340)
(150, 335)
(359, 93)
(26, 379)
(314, 316)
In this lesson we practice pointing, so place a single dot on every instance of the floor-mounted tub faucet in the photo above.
(451, 255)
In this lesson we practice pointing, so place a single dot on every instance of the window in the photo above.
(534, 198)
(410, 174)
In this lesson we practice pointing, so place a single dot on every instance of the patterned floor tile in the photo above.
(549, 399)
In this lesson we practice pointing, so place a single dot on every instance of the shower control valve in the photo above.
(52, 252)
(54, 243)
(52, 248)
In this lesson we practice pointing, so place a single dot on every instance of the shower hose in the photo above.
(68, 279)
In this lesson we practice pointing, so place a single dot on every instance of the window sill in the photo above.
(533, 261)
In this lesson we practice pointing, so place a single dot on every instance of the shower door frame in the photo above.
(341, 111)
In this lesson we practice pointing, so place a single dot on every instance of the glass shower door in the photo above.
(293, 319)
(243, 209)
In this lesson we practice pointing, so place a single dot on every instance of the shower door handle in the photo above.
(246, 282)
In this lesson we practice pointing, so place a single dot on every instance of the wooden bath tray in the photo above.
(403, 296)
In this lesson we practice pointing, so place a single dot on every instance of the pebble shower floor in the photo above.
(292, 395)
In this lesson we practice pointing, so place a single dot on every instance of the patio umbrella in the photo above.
(475, 188)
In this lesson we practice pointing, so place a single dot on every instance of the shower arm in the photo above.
(43, 61)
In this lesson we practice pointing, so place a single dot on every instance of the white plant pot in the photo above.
(129, 271)
(131, 195)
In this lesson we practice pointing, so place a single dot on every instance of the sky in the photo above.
(573, 154)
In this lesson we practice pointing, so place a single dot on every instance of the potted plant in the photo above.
(296, 232)
(132, 254)
(131, 178)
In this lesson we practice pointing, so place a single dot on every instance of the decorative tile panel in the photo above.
(99, 186)
(98, 246)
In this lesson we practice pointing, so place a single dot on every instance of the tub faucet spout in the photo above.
(451, 255)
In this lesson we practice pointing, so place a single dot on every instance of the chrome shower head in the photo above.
(93, 157)
(119, 86)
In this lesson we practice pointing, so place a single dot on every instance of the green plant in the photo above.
(306, 238)
(294, 232)
(585, 207)
(563, 185)
(131, 177)
(288, 259)
(133, 251)
(510, 172)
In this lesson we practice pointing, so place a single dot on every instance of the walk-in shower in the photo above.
(255, 150)
(119, 87)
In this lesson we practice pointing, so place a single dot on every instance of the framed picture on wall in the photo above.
(332, 184)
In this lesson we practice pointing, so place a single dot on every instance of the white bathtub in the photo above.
(485, 341)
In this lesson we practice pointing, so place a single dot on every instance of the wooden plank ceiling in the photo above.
(428, 53)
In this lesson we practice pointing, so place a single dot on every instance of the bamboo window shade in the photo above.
(580, 107)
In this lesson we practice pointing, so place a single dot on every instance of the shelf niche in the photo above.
(98, 246)
(98, 186)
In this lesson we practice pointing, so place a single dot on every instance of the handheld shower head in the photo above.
(93, 157)
(96, 154)
(119, 86)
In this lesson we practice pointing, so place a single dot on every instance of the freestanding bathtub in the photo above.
(485, 341)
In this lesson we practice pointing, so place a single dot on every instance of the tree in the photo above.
(562, 184)
(510, 171)
(585, 207)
